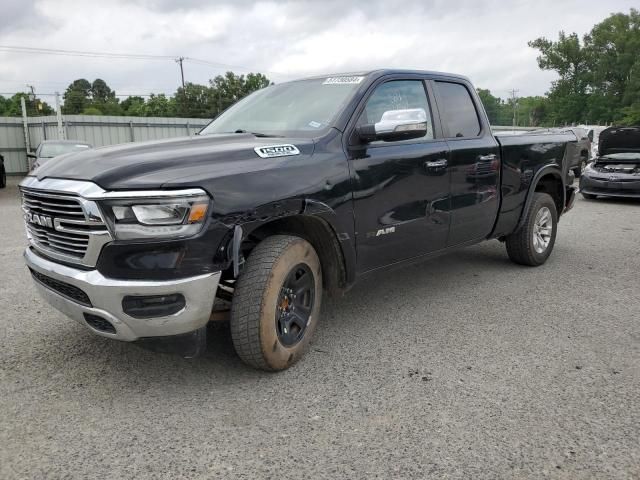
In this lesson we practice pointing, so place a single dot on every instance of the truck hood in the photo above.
(168, 162)
(619, 140)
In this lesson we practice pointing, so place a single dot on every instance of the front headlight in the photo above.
(142, 218)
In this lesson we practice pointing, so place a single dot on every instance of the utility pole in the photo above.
(25, 126)
(59, 117)
(179, 61)
(514, 101)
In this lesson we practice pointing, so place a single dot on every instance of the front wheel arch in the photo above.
(337, 275)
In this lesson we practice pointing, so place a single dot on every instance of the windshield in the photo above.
(50, 150)
(302, 108)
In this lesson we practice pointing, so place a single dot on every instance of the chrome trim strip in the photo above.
(151, 194)
(91, 191)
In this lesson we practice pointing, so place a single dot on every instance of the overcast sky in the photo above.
(483, 39)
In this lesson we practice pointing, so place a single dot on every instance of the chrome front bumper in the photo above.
(106, 297)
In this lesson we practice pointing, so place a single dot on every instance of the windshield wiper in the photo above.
(257, 134)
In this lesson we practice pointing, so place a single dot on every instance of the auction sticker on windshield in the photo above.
(271, 151)
(342, 80)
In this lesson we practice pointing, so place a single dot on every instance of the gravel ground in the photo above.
(466, 366)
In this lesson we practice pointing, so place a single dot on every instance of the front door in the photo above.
(400, 188)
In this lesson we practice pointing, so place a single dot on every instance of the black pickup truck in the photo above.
(301, 188)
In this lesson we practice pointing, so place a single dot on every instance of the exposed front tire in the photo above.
(276, 303)
(533, 242)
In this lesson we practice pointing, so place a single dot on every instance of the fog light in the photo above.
(153, 305)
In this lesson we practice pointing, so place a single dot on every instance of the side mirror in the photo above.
(31, 155)
(396, 125)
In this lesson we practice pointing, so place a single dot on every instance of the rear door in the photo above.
(400, 188)
(474, 162)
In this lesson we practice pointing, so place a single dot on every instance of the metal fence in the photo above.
(96, 130)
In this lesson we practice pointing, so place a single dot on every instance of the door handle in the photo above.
(436, 163)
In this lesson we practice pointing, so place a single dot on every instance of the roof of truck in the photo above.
(386, 71)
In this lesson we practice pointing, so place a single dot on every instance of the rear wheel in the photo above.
(533, 242)
(276, 303)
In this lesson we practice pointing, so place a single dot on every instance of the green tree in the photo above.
(77, 97)
(491, 104)
(614, 56)
(92, 111)
(159, 106)
(11, 107)
(230, 88)
(195, 101)
(132, 106)
(599, 77)
(100, 91)
(568, 57)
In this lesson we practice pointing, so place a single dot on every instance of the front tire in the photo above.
(533, 242)
(276, 303)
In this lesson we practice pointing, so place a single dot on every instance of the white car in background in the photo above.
(49, 149)
(593, 132)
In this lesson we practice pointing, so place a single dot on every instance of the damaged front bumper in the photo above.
(127, 310)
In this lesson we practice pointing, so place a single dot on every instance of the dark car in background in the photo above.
(49, 149)
(578, 152)
(3, 173)
(616, 170)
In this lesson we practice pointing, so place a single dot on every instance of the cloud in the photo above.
(18, 14)
(485, 39)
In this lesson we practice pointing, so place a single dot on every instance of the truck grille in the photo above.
(66, 243)
(52, 205)
(47, 206)
(59, 227)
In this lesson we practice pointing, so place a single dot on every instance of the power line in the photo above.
(127, 56)
(80, 53)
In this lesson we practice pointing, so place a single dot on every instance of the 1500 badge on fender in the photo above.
(277, 151)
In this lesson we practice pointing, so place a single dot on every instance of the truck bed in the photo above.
(522, 157)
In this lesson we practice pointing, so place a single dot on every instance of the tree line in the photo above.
(599, 79)
(598, 83)
(83, 97)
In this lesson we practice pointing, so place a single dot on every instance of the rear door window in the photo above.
(460, 114)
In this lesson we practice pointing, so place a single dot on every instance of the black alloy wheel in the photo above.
(295, 304)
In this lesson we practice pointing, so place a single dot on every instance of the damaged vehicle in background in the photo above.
(579, 151)
(616, 170)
